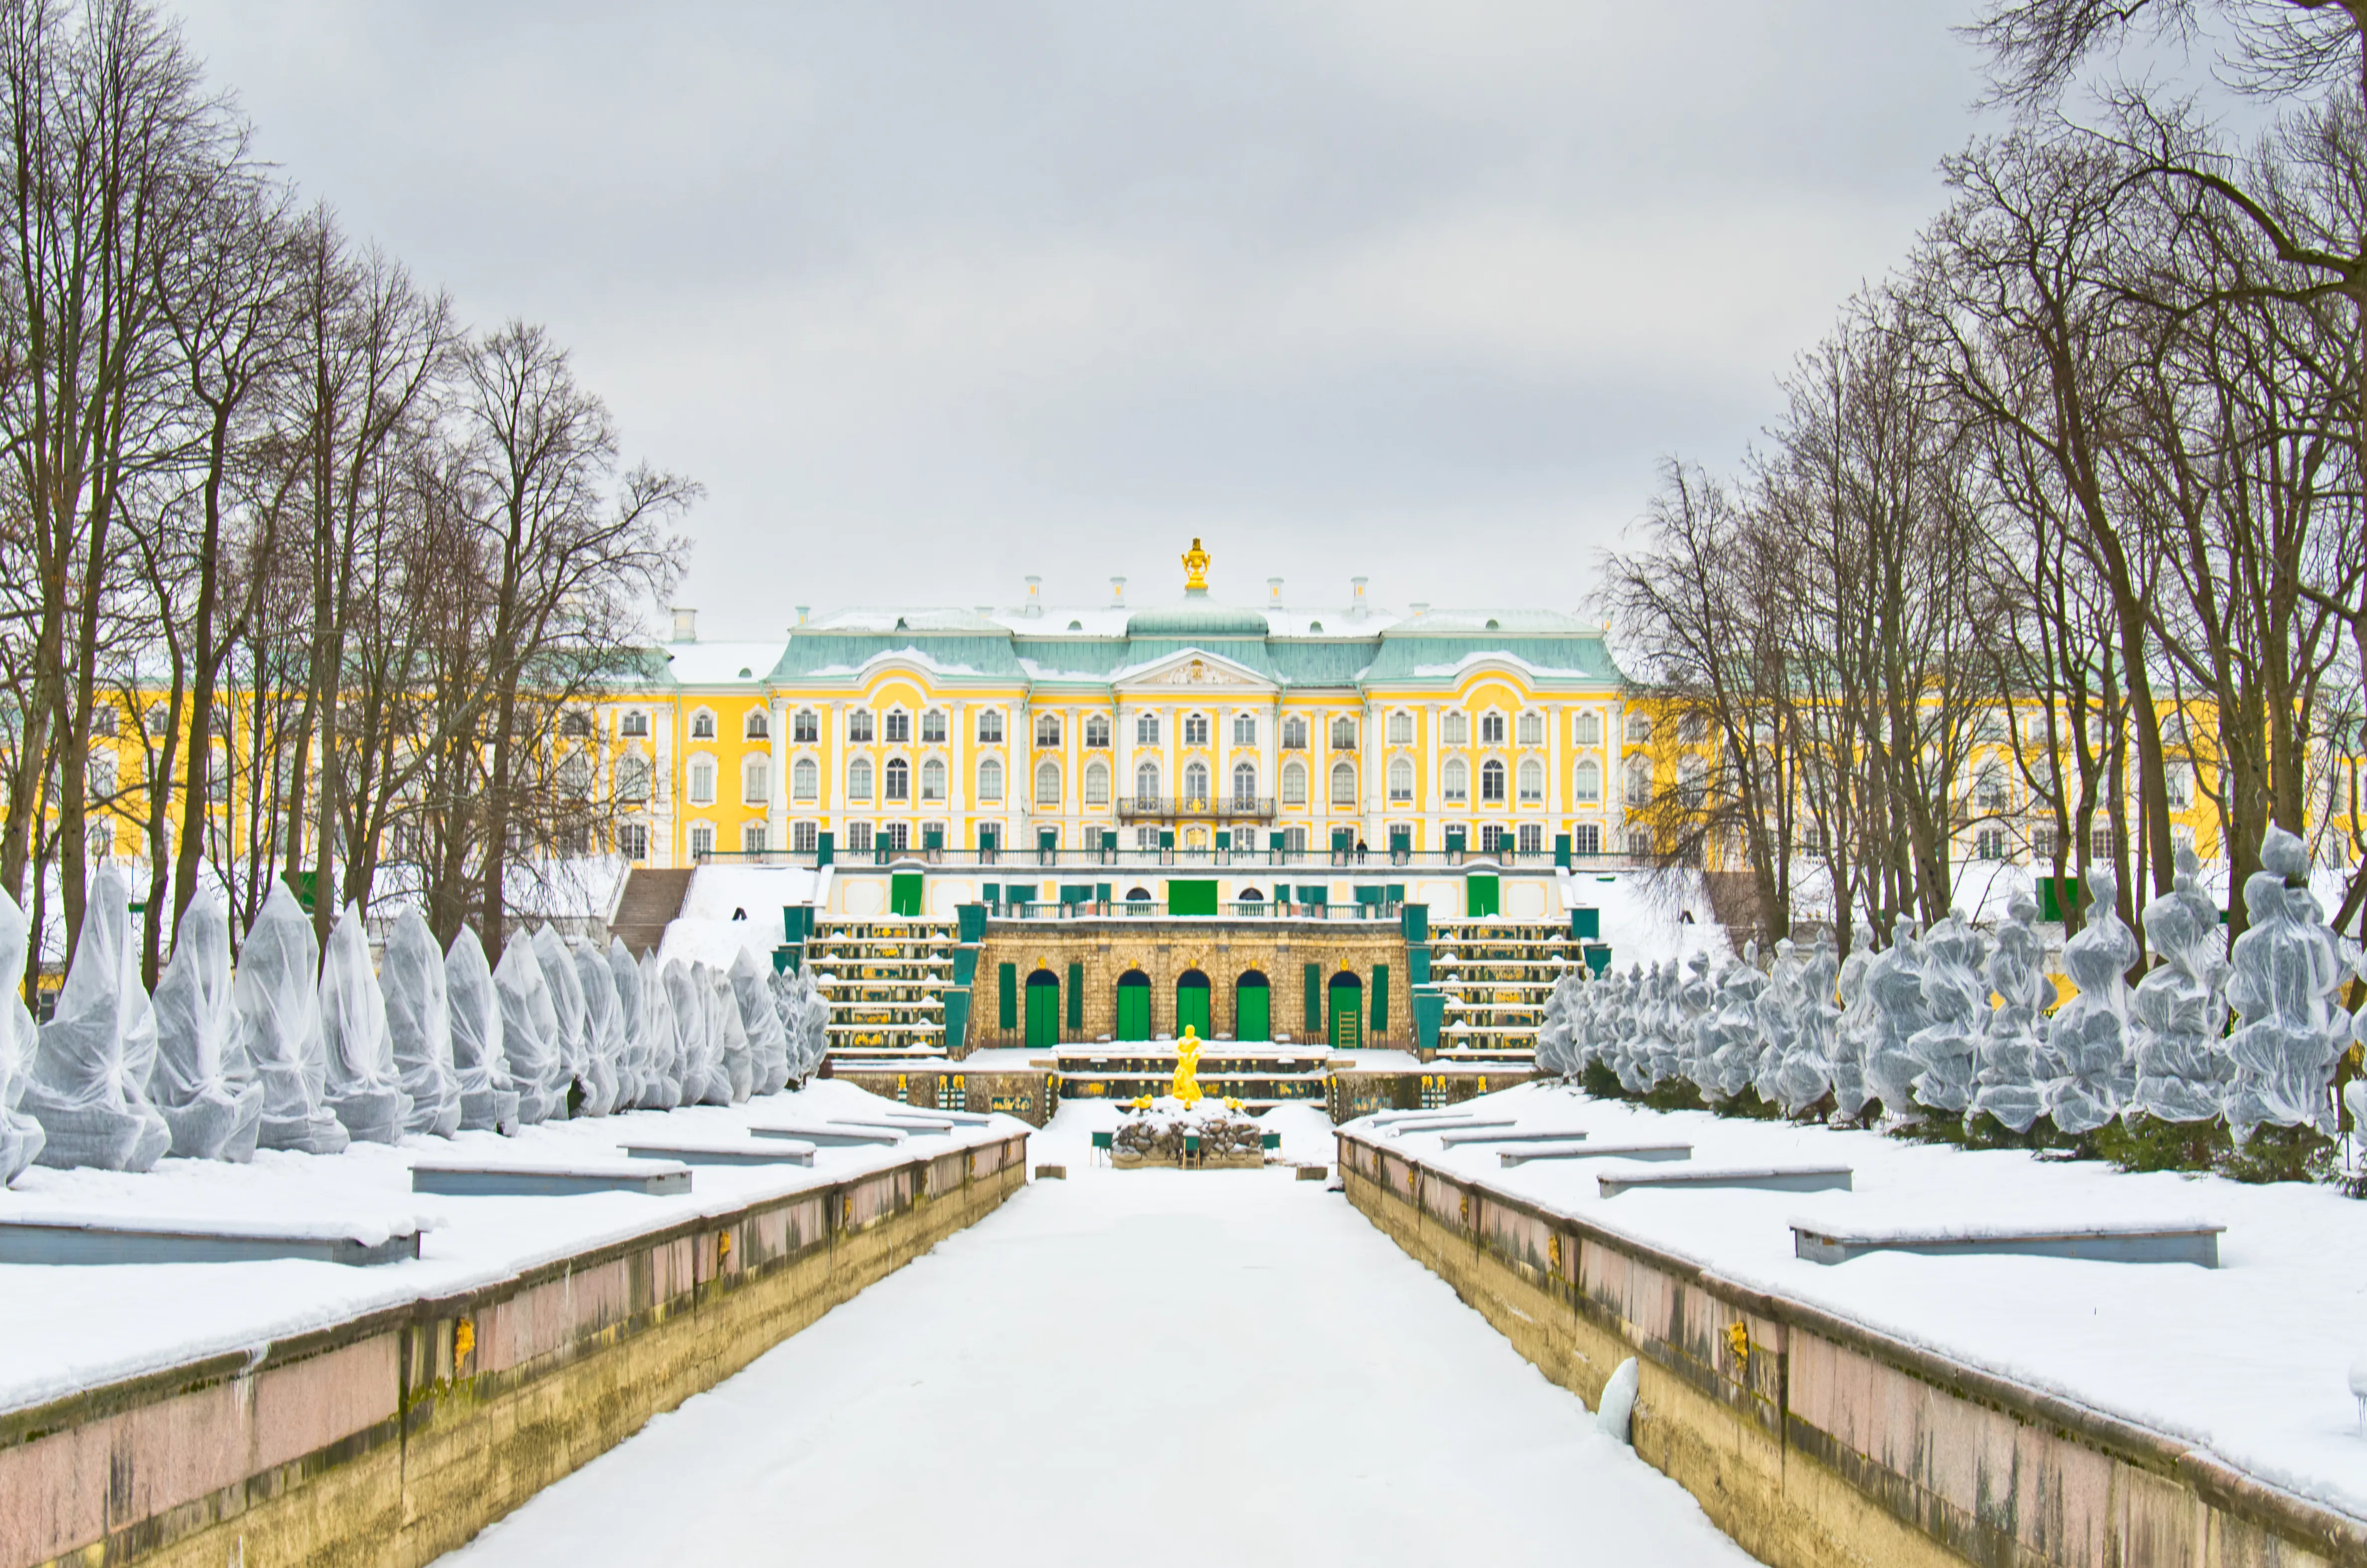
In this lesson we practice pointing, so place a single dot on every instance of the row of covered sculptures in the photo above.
(1956, 1020)
(306, 1050)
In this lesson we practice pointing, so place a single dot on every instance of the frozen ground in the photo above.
(1137, 1366)
(66, 1328)
(2248, 1361)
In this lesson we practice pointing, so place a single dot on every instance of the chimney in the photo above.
(1357, 608)
(686, 624)
(802, 609)
(1419, 607)
(1034, 596)
(1117, 588)
(1274, 589)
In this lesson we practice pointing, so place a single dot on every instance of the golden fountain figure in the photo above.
(1196, 568)
(1186, 1087)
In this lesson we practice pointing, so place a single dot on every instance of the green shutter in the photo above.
(1006, 986)
(1380, 997)
(1076, 997)
(904, 893)
(1190, 897)
(1314, 999)
(1480, 894)
(1586, 924)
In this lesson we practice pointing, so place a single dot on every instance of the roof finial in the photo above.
(1196, 569)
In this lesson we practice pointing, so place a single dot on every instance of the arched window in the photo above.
(758, 727)
(932, 727)
(632, 777)
(1146, 781)
(1455, 779)
(1048, 729)
(1195, 729)
(1294, 734)
(805, 779)
(1532, 730)
(899, 728)
(1244, 786)
(990, 726)
(1693, 779)
(1097, 785)
(1589, 728)
(933, 779)
(899, 780)
(1293, 785)
(755, 781)
(1344, 734)
(634, 726)
(1692, 727)
(805, 727)
(1048, 784)
(1588, 785)
(1640, 727)
(1400, 728)
(1097, 731)
(1491, 728)
(858, 724)
(702, 725)
(1401, 780)
(1533, 779)
(702, 780)
(1638, 780)
(1196, 782)
(574, 775)
(858, 778)
(1455, 729)
(1492, 780)
(989, 780)
(1343, 784)
(1146, 729)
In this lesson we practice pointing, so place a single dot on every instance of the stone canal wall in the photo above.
(1812, 1440)
(392, 1439)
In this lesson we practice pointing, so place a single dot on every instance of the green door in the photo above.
(1347, 1014)
(1192, 1003)
(1043, 1010)
(1134, 1005)
(1253, 1014)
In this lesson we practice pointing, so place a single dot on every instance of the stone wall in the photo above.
(394, 1437)
(1812, 1440)
(1025, 1093)
(1222, 949)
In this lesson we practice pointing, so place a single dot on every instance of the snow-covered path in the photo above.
(1139, 1368)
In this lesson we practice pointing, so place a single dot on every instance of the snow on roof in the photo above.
(722, 664)
(1495, 656)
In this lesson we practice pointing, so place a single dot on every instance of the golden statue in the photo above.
(1196, 569)
(1186, 1087)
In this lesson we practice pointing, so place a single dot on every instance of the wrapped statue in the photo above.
(363, 1091)
(2089, 1037)
(489, 1097)
(1733, 1030)
(805, 1020)
(1696, 1035)
(2012, 1082)
(730, 1037)
(1893, 982)
(530, 1033)
(1806, 1074)
(1956, 1002)
(20, 1135)
(2284, 973)
(701, 1070)
(88, 1088)
(1555, 1057)
(633, 1078)
(419, 1026)
(2180, 1009)
(1854, 1029)
(1776, 1021)
(202, 1085)
(768, 1045)
(595, 1088)
(665, 1037)
(273, 995)
(604, 1030)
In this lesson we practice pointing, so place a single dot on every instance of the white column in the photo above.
(777, 794)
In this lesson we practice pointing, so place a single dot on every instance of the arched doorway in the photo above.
(1347, 998)
(1252, 1006)
(1192, 1003)
(1134, 1005)
(1043, 1010)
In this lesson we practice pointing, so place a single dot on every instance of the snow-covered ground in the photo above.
(2248, 1361)
(1136, 1367)
(64, 1328)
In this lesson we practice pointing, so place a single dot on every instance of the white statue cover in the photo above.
(1956, 1004)
(634, 1069)
(1893, 984)
(489, 1096)
(604, 1031)
(752, 987)
(2179, 1011)
(594, 1092)
(20, 1135)
(2286, 969)
(662, 1036)
(88, 1088)
(735, 1063)
(2014, 1077)
(279, 1013)
(530, 1033)
(202, 1084)
(363, 1091)
(419, 1025)
(696, 1045)
(2088, 1039)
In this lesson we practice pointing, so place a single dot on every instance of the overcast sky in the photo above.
(931, 296)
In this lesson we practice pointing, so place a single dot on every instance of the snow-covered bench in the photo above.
(1573, 1150)
(461, 1179)
(84, 1239)
(2102, 1241)
(755, 1152)
(824, 1135)
(1762, 1179)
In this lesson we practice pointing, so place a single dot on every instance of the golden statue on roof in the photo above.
(1196, 568)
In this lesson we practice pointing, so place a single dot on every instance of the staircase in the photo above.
(648, 905)
(1497, 975)
(884, 981)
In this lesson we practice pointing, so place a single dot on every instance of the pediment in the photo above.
(1192, 670)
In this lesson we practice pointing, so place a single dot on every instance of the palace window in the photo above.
(859, 838)
(1989, 843)
(1196, 782)
(702, 725)
(1693, 781)
(1244, 786)
(1533, 838)
(702, 781)
(990, 726)
(806, 728)
(805, 779)
(899, 728)
(1586, 839)
(1640, 727)
(1344, 734)
(1989, 789)
(1294, 784)
(758, 727)
(1400, 728)
(858, 778)
(1455, 728)
(634, 725)
(1244, 728)
(1293, 841)
(1146, 781)
(932, 727)
(633, 840)
(1586, 784)
(1343, 784)
(1492, 837)
(1492, 780)
(933, 779)
(2178, 780)
(1590, 729)
(805, 837)
(1639, 842)
(702, 840)
(1146, 729)
(574, 722)
(105, 723)
(1532, 730)
(1097, 785)
(1047, 785)
(989, 780)
(1638, 782)
(1294, 734)
(858, 724)
(1455, 780)
(1532, 780)
(1491, 728)
(755, 779)
(1400, 780)
(1195, 729)
(899, 780)
(1048, 729)
(753, 837)
(633, 777)
(1097, 731)
(1692, 727)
